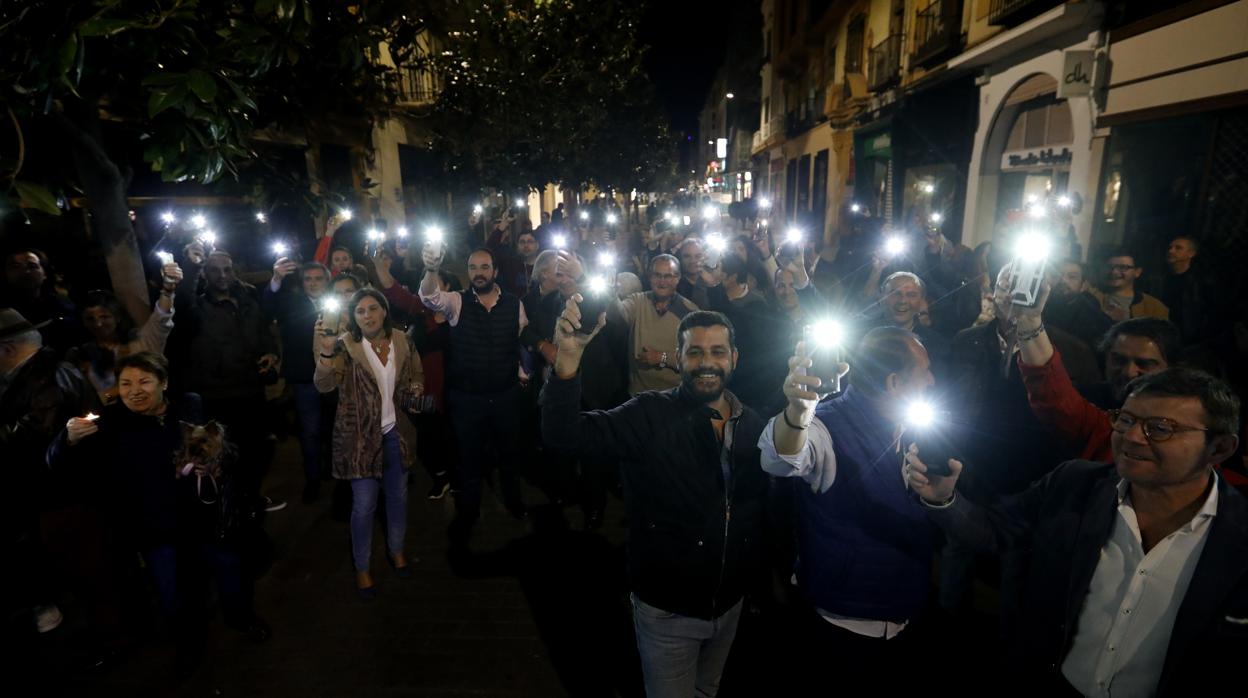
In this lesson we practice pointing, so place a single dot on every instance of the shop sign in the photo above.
(1044, 157)
(1077, 69)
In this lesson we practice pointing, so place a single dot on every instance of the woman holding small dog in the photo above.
(376, 372)
(165, 497)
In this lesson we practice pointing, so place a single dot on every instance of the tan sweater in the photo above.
(650, 329)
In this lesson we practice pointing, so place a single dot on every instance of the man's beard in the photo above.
(689, 379)
(481, 283)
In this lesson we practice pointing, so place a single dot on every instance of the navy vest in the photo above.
(485, 345)
(865, 545)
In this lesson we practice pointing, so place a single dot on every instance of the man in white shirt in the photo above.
(1138, 576)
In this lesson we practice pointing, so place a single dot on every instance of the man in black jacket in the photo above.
(1138, 574)
(296, 312)
(693, 489)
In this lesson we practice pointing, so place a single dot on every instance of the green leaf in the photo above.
(37, 197)
(241, 96)
(104, 27)
(203, 85)
(163, 99)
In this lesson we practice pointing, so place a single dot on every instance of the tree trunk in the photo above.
(105, 190)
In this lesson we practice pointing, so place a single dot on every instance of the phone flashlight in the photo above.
(764, 203)
(164, 257)
(477, 209)
(855, 208)
(593, 302)
(198, 220)
(280, 248)
(330, 309)
(793, 236)
(606, 259)
(584, 215)
(401, 233)
(611, 219)
(560, 241)
(716, 242)
(710, 212)
(824, 339)
(345, 214)
(688, 220)
(894, 246)
(260, 217)
(209, 238)
(1031, 251)
(923, 422)
(667, 216)
(168, 218)
(935, 218)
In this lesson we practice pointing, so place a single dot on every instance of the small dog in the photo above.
(204, 450)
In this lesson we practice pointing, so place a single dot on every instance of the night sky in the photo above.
(688, 42)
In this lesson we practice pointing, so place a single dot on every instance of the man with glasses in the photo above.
(1120, 299)
(1138, 575)
(652, 318)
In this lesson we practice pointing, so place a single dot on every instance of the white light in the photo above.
(855, 208)
(519, 203)
(710, 142)
(164, 257)
(401, 232)
(793, 235)
(929, 188)
(935, 217)
(168, 218)
(375, 235)
(209, 238)
(434, 234)
(710, 212)
(345, 214)
(716, 242)
(764, 203)
(763, 222)
(91, 417)
(331, 305)
(198, 220)
(920, 414)
(894, 245)
(828, 333)
(584, 215)
(1032, 198)
(279, 248)
(611, 219)
(1036, 211)
(477, 209)
(667, 215)
(1032, 247)
(729, 95)
(261, 217)
(597, 284)
(560, 241)
(688, 220)
(1064, 201)
(606, 259)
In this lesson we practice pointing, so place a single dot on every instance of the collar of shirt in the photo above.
(1207, 511)
(734, 406)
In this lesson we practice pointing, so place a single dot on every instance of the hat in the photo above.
(12, 323)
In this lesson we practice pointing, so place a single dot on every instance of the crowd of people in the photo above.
(947, 437)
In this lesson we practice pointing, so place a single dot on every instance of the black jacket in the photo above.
(692, 545)
(296, 317)
(223, 341)
(1063, 521)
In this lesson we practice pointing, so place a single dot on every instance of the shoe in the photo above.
(404, 572)
(47, 618)
(273, 504)
(311, 491)
(439, 489)
(365, 587)
(593, 519)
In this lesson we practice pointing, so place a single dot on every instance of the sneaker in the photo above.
(47, 618)
(273, 504)
(439, 489)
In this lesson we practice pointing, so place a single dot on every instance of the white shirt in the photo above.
(450, 304)
(385, 384)
(1124, 628)
(818, 449)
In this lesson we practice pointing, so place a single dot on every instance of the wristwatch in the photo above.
(663, 360)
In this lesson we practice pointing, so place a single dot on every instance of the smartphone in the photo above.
(1028, 277)
(824, 358)
(592, 305)
(935, 450)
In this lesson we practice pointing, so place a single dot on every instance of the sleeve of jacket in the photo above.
(154, 333)
(414, 371)
(400, 298)
(1081, 426)
(1006, 525)
(616, 432)
(327, 378)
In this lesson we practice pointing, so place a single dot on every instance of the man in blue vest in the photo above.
(864, 543)
(483, 378)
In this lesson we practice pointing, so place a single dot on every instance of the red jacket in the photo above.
(1083, 428)
(433, 362)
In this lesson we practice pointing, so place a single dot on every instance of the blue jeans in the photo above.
(682, 656)
(311, 413)
(364, 493)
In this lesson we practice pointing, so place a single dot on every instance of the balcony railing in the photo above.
(885, 63)
(417, 87)
(937, 31)
(1012, 12)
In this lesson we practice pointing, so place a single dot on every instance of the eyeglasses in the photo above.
(1156, 429)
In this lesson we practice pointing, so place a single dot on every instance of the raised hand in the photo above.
(79, 428)
(570, 343)
(283, 267)
(932, 488)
